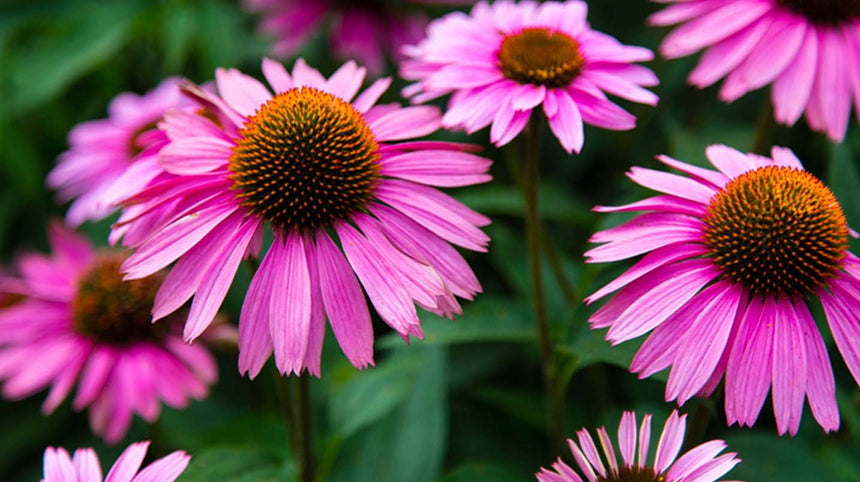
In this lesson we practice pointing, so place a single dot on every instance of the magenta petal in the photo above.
(821, 387)
(277, 76)
(407, 123)
(58, 467)
(243, 93)
(195, 155)
(840, 306)
(214, 285)
(316, 332)
(368, 98)
(255, 342)
(290, 305)
(793, 88)
(748, 373)
(670, 441)
(344, 303)
(651, 261)
(705, 341)
(654, 298)
(566, 124)
(127, 465)
(694, 459)
(380, 281)
(675, 185)
(789, 367)
(184, 278)
(172, 242)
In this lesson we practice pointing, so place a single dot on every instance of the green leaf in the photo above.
(370, 396)
(85, 36)
(238, 464)
(486, 320)
(409, 443)
(482, 472)
(557, 202)
(767, 457)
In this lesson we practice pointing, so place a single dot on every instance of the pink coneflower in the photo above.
(317, 164)
(111, 157)
(365, 31)
(733, 257)
(85, 466)
(699, 464)
(808, 49)
(505, 59)
(71, 319)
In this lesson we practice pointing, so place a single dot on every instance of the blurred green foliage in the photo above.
(465, 403)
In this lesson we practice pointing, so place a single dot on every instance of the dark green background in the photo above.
(466, 403)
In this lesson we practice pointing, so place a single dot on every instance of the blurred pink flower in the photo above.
(109, 158)
(85, 466)
(363, 31)
(808, 49)
(505, 59)
(733, 255)
(318, 165)
(699, 464)
(70, 319)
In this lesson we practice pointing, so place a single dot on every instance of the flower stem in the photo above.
(302, 428)
(531, 175)
(764, 129)
(293, 393)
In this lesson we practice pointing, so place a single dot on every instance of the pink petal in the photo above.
(127, 465)
(165, 469)
(290, 305)
(277, 76)
(789, 367)
(670, 441)
(243, 93)
(705, 341)
(344, 303)
(793, 88)
(214, 285)
(748, 373)
(566, 124)
(407, 123)
(87, 465)
(255, 343)
(820, 387)
(57, 466)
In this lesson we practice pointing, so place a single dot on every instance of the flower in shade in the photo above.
(72, 320)
(506, 59)
(808, 49)
(732, 257)
(109, 158)
(84, 466)
(700, 464)
(364, 31)
(352, 211)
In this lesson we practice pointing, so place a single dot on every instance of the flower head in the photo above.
(363, 31)
(506, 59)
(321, 167)
(732, 257)
(808, 49)
(109, 158)
(71, 319)
(699, 464)
(85, 467)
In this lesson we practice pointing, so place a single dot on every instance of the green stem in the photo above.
(764, 129)
(293, 395)
(531, 176)
(302, 429)
(697, 425)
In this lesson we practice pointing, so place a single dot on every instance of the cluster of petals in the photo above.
(398, 251)
(700, 464)
(460, 57)
(365, 33)
(40, 348)
(704, 325)
(108, 158)
(84, 466)
(813, 66)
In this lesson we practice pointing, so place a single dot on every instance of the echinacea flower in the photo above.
(72, 320)
(108, 158)
(363, 31)
(320, 167)
(732, 257)
(699, 464)
(809, 50)
(85, 466)
(504, 60)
